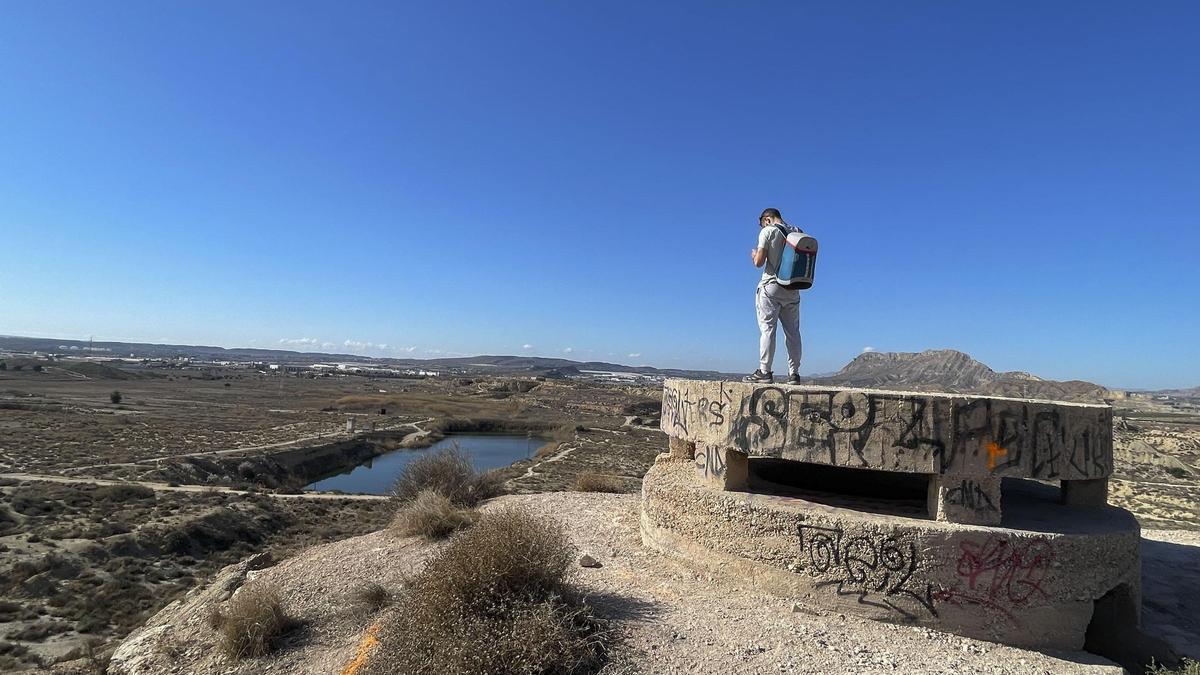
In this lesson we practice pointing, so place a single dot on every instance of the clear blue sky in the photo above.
(1018, 180)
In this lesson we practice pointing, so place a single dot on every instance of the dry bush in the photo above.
(252, 623)
(598, 482)
(371, 597)
(1186, 667)
(431, 515)
(547, 450)
(450, 474)
(496, 599)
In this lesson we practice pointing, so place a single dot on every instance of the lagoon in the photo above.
(376, 475)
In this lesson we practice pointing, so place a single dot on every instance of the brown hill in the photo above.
(954, 371)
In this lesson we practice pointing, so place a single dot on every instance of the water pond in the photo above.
(376, 475)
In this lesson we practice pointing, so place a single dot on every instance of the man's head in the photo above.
(770, 217)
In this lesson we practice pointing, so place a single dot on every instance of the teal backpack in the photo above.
(799, 259)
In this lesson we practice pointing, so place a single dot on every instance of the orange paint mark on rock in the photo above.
(365, 645)
(994, 451)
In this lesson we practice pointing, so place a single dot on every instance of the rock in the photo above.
(588, 561)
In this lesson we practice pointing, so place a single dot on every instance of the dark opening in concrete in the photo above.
(1114, 634)
(867, 490)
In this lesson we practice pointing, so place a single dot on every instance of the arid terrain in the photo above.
(113, 506)
(108, 511)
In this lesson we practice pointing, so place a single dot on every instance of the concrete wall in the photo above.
(1031, 583)
(894, 431)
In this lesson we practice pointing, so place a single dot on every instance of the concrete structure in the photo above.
(888, 505)
(964, 444)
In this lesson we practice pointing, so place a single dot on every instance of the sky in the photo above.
(1017, 180)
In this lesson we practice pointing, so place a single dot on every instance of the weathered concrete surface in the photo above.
(965, 443)
(917, 432)
(1031, 582)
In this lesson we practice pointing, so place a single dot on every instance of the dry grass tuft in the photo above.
(598, 482)
(496, 599)
(371, 597)
(252, 623)
(450, 474)
(431, 515)
(1186, 667)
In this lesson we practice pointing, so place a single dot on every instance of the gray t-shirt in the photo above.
(772, 240)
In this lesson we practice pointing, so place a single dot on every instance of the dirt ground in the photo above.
(669, 618)
(84, 563)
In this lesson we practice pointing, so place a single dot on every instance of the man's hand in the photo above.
(758, 256)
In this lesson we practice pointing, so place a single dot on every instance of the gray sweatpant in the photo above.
(777, 305)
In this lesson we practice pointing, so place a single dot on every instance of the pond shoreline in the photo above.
(374, 474)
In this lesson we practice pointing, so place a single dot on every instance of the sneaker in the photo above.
(759, 376)
(794, 378)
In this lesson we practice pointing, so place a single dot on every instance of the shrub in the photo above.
(1186, 667)
(252, 623)
(597, 482)
(115, 397)
(123, 492)
(431, 515)
(547, 450)
(449, 473)
(37, 368)
(496, 599)
(371, 597)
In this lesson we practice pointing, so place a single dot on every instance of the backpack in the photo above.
(798, 261)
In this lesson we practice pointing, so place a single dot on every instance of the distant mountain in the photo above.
(953, 371)
(1194, 392)
(500, 365)
(937, 367)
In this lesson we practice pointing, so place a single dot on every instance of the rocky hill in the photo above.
(954, 371)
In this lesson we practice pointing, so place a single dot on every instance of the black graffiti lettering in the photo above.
(710, 461)
(878, 570)
(1047, 442)
(970, 495)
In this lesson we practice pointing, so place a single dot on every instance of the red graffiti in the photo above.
(1000, 574)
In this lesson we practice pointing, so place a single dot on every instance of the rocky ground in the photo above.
(669, 618)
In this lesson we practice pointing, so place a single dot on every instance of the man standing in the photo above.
(775, 304)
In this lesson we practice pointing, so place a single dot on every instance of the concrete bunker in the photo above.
(985, 517)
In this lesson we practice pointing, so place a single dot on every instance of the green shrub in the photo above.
(497, 599)
(598, 482)
(431, 515)
(252, 623)
(115, 397)
(450, 474)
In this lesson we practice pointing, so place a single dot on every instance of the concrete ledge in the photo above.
(914, 432)
(1031, 582)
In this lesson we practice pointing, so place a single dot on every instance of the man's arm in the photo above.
(758, 256)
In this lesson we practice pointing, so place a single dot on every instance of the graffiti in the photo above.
(710, 461)
(970, 495)
(1000, 574)
(900, 432)
(677, 409)
(879, 570)
(712, 413)
(841, 427)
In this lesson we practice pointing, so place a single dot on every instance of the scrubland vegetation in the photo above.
(496, 599)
